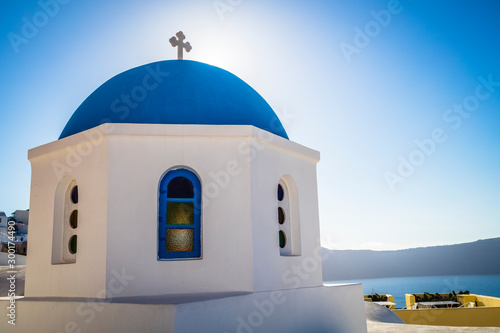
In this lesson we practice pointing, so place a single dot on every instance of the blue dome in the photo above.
(175, 92)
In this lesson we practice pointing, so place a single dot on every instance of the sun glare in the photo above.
(221, 48)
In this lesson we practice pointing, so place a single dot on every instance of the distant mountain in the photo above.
(480, 257)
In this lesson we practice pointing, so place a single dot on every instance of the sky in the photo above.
(402, 98)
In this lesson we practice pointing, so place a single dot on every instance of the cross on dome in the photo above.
(179, 43)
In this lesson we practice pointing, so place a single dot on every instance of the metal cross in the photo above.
(179, 42)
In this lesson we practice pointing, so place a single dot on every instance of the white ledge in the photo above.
(105, 130)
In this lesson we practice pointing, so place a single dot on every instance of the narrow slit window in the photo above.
(65, 225)
(288, 217)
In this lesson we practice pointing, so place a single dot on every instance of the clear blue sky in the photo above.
(360, 91)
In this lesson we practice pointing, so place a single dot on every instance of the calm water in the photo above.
(399, 286)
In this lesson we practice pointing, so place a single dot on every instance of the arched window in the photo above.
(179, 215)
(64, 241)
(288, 217)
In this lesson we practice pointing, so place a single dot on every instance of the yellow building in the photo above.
(466, 310)
(386, 300)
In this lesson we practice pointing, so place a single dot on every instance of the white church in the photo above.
(174, 201)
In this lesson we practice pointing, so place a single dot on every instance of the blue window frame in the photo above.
(179, 225)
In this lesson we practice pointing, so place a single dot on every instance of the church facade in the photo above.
(175, 200)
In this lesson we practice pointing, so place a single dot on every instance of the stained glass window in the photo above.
(73, 219)
(74, 194)
(180, 187)
(281, 215)
(179, 234)
(180, 240)
(282, 239)
(280, 192)
(180, 213)
(288, 217)
(65, 223)
(72, 244)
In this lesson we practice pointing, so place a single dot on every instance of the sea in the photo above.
(488, 285)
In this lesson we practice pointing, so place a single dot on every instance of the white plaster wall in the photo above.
(138, 159)
(87, 316)
(275, 157)
(118, 206)
(86, 161)
(318, 309)
(337, 309)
